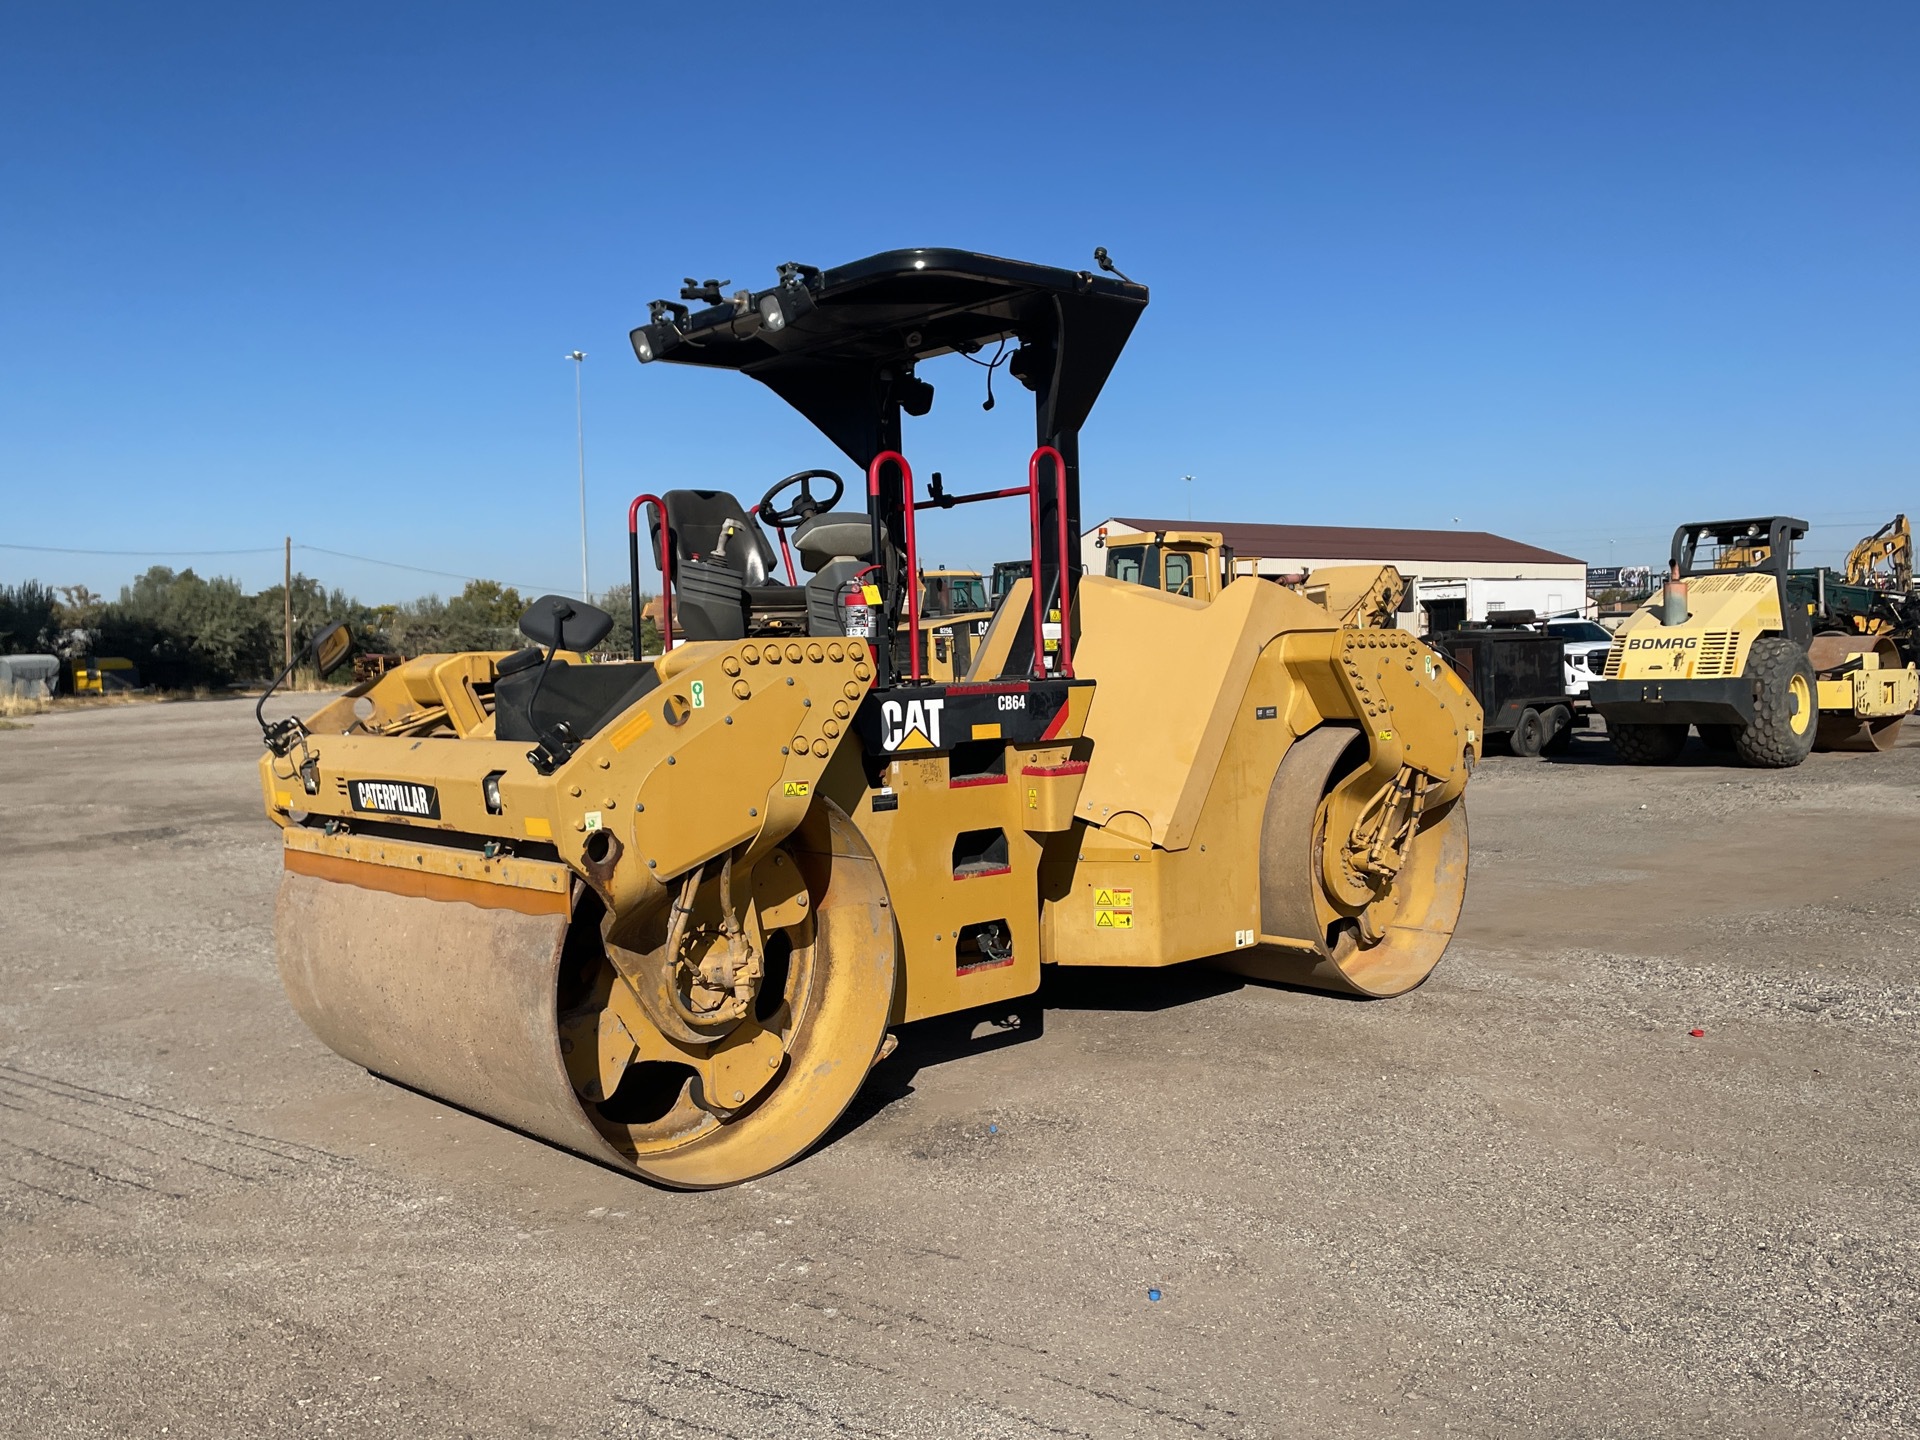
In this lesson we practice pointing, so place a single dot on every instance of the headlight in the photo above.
(772, 315)
(653, 340)
(490, 788)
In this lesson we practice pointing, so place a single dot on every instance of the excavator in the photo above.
(1884, 559)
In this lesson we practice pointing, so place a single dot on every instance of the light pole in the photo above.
(1189, 480)
(580, 443)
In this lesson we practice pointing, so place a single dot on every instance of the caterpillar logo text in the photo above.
(914, 725)
(395, 797)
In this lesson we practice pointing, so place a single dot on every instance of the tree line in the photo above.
(183, 630)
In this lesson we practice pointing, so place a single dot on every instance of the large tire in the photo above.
(1647, 744)
(1529, 734)
(1785, 717)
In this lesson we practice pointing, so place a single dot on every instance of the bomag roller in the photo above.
(665, 913)
(1764, 659)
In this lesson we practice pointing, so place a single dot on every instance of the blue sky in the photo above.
(1569, 272)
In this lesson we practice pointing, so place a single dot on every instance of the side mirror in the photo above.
(562, 624)
(331, 646)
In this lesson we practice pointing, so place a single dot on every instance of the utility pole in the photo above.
(286, 604)
(1189, 480)
(580, 442)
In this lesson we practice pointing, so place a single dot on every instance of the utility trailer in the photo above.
(1519, 678)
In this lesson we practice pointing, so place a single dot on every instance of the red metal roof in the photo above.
(1353, 542)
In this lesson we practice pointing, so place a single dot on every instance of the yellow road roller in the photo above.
(1768, 662)
(666, 913)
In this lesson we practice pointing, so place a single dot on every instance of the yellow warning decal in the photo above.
(795, 787)
(870, 593)
(1113, 908)
(987, 732)
(539, 828)
(283, 799)
(1033, 797)
(632, 730)
(1386, 734)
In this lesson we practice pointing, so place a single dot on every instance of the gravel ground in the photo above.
(1522, 1200)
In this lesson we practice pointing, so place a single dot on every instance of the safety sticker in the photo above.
(1112, 909)
(632, 730)
(795, 787)
(592, 821)
(1033, 797)
(870, 593)
(1386, 734)
(699, 689)
(1266, 712)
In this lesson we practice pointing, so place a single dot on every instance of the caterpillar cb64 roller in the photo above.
(664, 913)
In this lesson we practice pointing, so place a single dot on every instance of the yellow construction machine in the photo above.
(666, 913)
(1884, 560)
(954, 617)
(1767, 661)
(1369, 595)
(1199, 564)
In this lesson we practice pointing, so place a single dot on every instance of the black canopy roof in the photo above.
(840, 345)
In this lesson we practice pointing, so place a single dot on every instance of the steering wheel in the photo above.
(804, 506)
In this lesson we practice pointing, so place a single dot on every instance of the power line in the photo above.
(398, 565)
(266, 550)
(68, 550)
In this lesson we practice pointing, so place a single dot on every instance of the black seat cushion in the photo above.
(585, 697)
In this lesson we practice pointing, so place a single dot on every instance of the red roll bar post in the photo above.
(759, 513)
(1034, 605)
(666, 571)
(1060, 505)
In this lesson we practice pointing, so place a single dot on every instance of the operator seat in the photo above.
(721, 565)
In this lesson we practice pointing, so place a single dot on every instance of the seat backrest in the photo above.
(710, 525)
(833, 535)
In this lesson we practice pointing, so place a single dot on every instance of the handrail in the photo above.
(913, 553)
(947, 502)
(666, 571)
(1038, 607)
(1066, 602)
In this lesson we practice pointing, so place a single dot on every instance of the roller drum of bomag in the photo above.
(665, 913)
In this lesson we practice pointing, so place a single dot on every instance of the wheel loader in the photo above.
(1199, 563)
(667, 914)
(1747, 649)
